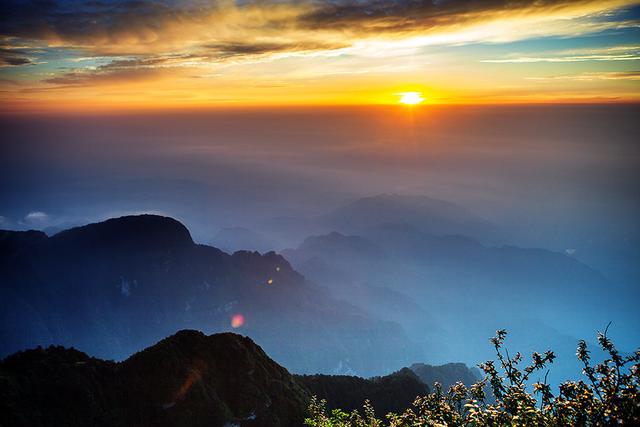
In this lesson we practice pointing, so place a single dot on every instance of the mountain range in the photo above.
(375, 285)
(187, 379)
(110, 287)
(449, 277)
(451, 292)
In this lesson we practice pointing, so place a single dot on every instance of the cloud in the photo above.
(154, 37)
(143, 68)
(36, 218)
(611, 53)
(108, 43)
(81, 78)
(259, 48)
(13, 58)
(467, 21)
(610, 75)
(89, 24)
(582, 58)
(138, 27)
(117, 72)
(410, 15)
(145, 27)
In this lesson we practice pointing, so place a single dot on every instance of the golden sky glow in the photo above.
(411, 98)
(70, 55)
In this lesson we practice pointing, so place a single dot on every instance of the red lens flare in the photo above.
(237, 321)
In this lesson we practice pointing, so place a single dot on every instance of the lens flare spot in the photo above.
(237, 321)
(270, 282)
(277, 268)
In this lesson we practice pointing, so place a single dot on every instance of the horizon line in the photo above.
(135, 109)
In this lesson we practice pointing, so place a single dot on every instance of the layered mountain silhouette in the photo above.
(426, 214)
(388, 280)
(439, 259)
(450, 292)
(187, 379)
(110, 288)
(437, 265)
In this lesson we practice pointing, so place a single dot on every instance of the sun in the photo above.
(410, 98)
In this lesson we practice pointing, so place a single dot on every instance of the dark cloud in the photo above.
(86, 23)
(242, 48)
(410, 15)
(13, 58)
(103, 75)
(140, 27)
(632, 75)
(141, 62)
(144, 67)
(120, 70)
(89, 22)
(170, 34)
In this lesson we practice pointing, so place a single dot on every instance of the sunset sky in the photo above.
(70, 55)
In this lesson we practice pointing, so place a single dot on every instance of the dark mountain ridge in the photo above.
(389, 393)
(187, 379)
(110, 287)
(447, 374)
(129, 232)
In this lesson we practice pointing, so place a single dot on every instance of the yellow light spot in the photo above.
(237, 320)
(270, 282)
(410, 98)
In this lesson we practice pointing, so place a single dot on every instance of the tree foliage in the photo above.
(608, 395)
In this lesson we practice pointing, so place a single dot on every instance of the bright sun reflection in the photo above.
(410, 98)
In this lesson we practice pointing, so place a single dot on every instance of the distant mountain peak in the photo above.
(337, 241)
(154, 231)
(424, 213)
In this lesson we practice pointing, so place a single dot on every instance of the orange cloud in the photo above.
(312, 52)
